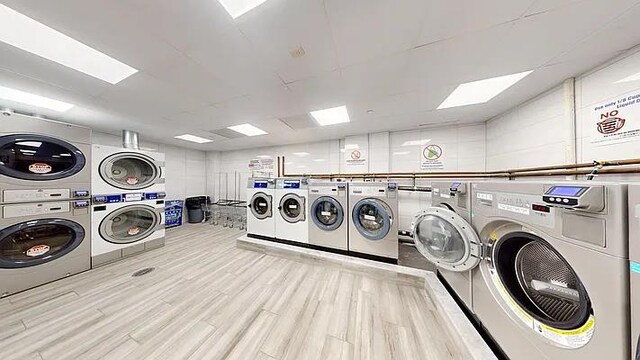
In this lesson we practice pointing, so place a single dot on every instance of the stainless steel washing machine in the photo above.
(373, 229)
(43, 160)
(634, 266)
(43, 242)
(552, 280)
(444, 235)
(328, 210)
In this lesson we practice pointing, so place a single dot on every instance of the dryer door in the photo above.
(130, 171)
(327, 213)
(373, 218)
(542, 289)
(39, 158)
(37, 242)
(446, 239)
(130, 224)
(292, 208)
(261, 206)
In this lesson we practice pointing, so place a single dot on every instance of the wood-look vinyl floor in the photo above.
(208, 299)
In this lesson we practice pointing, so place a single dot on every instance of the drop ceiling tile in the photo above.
(277, 27)
(376, 78)
(540, 6)
(367, 29)
(447, 19)
(320, 92)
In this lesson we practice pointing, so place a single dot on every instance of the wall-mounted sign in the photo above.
(614, 121)
(431, 157)
(262, 167)
(356, 159)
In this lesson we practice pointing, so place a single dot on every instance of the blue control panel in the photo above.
(81, 193)
(261, 184)
(566, 190)
(455, 186)
(81, 204)
(291, 184)
(154, 196)
(107, 199)
(392, 186)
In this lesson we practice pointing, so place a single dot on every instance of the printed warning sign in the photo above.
(431, 157)
(614, 121)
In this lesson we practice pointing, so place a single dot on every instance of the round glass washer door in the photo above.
(129, 171)
(446, 239)
(261, 206)
(130, 224)
(372, 218)
(292, 208)
(37, 242)
(541, 281)
(327, 213)
(39, 158)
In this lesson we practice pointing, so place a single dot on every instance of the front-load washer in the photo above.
(292, 218)
(43, 242)
(117, 170)
(126, 224)
(373, 229)
(552, 280)
(43, 160)
(634, 266)
(444, 235)
(329, 215)
(261, 221)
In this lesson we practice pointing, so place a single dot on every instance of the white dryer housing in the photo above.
(117, 170)
(260, 200)
(292, 205)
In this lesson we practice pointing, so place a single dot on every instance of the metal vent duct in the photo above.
(130, 140)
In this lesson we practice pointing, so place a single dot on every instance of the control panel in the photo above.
(81, 204)
(81, 193)
(107, 199)
(291, 184)
(392, 190)
(458, 188)
(588, 198)
(155, 196)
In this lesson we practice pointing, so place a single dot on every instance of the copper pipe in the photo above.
(278, 166)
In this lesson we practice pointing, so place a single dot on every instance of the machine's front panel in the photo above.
(130, 171)
(130, 224)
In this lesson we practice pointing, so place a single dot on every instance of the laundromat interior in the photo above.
(320, 179)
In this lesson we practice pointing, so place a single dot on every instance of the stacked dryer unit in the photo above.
(373, 229)
(444, 235)
(634, 266)
(44, 199)
(329, 215)
(261, 223)
(291, 221)
(128, 202)
(552, 275)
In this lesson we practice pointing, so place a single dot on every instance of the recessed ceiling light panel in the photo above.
(193, 138)
(33, 100)
(336, 115)
(247, 129)
(302, 153)
(480, 92)
(237, 8)
(29, 35)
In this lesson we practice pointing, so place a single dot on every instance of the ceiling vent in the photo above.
(227, 134)
(297, 52)
(304, 121)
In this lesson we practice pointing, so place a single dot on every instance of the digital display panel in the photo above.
(291, 184)
(260, 185)
(114, 198)
(455, 185)
(565, 190)
(541, 208)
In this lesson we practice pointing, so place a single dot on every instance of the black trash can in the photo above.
(197, 208)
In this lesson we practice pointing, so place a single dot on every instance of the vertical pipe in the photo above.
(570, 116)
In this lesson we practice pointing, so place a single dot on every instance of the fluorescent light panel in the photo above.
(302, 153)
(634, 77)
(193, 138)
(237, 8)
(247, 129)
(480, 92)
(336, 115)
(29, 35)
(416, 142)
(33, 100)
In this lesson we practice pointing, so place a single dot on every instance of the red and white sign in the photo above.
(40, 168)
(38, 250)
(614, 121)
(132, 180)
(135, 230)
